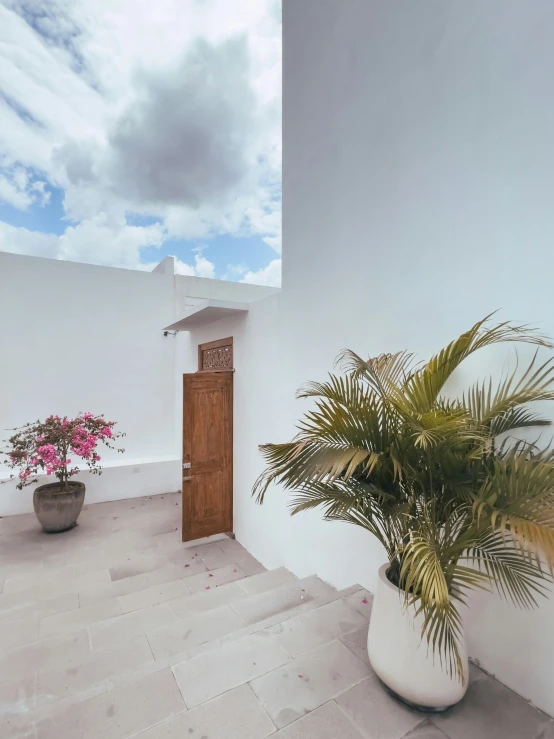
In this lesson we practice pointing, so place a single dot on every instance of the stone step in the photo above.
(254, 608)
(256, 584)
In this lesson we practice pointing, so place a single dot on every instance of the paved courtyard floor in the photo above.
(116, 629)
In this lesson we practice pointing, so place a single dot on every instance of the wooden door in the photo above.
(207, 454)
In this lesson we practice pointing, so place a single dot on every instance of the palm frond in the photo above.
(514, 577)
(424, 385)
(501, 411)
(455, 507)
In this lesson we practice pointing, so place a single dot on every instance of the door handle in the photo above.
(187, 479)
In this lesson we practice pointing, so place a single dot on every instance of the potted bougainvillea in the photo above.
(51, 447)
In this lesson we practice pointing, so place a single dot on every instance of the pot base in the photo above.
(59, 531)
(422, 709)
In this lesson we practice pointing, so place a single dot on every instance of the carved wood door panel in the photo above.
(207, 454)
(216, 356)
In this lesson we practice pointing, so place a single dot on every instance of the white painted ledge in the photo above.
(120, 479)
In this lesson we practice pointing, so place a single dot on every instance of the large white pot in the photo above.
(401, 657)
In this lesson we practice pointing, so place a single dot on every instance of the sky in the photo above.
(134, 129)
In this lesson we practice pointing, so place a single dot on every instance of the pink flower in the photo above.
(86, 416)
(207, 587)
(210, 575)
(365, 601)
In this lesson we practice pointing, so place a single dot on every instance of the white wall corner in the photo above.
(166, 266)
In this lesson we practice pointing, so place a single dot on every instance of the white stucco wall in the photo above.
(418, 180)
(78, 337)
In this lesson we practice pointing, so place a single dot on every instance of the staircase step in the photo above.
(313, 629)
(254, 608)
(317, 587)
(267, 581)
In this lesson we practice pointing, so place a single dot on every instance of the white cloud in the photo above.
(167, 109)
(23, 241)
(96, 241)
(270, 275)
(235, 271)
(202, 267)
(19, 189)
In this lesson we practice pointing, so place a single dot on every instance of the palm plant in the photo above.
(456, 501)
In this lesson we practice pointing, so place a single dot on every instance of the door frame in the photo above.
(186, 495)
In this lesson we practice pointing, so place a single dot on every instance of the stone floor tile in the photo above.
(231, 546)
(125, 628)
(175, 572)
(66, 650)
(234, 715)
(327, 722)
(163, 526)
(19, 599)
(61, 623)
(376, 714)
(490, 709)
(205, 600)
(216, 560)
(214, 578)
(56, 581)
(254, 608)
(17, 696)
(193, 630)
(78, 582)
(119, 713)
(41, 608)
(361, 601)
(181, 554)
(227, 667)
(317, 587)
(22, 582)
(17, 727)
(267, 581)
(476, 673)
(238, 555)
(310, 630)
(356, 641)
(137, 565)
(308, 682)
(547, 732)
(96, 667)
(15, 634)
(186, 553)
(250, 566)
(152, 595)
(109, 590)
(169, 542)
(426, 730)
(118, 550)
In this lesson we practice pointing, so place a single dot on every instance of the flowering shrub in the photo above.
(48, 446)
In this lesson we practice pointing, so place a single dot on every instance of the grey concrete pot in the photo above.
(58, 507)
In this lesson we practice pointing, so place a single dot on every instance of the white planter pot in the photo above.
(401, 657)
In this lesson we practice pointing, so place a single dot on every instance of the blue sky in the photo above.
(119, 146)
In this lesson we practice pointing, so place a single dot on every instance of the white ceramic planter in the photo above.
(401, 657)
